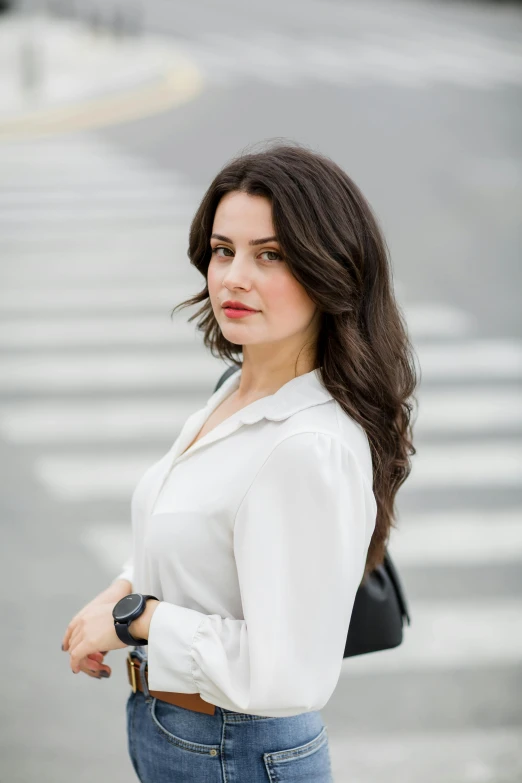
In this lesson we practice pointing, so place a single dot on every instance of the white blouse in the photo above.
(255, 542)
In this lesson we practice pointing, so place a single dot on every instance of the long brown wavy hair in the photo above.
(334, 247)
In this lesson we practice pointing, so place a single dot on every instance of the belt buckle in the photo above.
(132, 673)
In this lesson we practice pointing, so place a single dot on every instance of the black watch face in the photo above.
(127, 606)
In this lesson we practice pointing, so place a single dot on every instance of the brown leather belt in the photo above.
(189, 701)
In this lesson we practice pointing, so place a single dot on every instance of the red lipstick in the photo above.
(235, 309)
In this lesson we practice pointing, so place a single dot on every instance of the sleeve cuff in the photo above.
(124, 575)
(171, 633)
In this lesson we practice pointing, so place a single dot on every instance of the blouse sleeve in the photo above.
(128, 571)
(301, 537)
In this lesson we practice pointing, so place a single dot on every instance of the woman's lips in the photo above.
(232, 312)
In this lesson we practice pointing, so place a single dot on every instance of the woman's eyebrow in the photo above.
(251, 242)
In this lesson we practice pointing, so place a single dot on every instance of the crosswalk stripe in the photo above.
(138, 240)
(20, 299)
(149, 210)
(100, 177)
(109, 543)
(478, 358)
(105, 421)
(67, 371)
(66, 330)
(491, 463)
(73, 477)
(103, 371)
(464, 537)
(123, 267)
(80, 332)
(443, 635)
(477, 62)
(78, 198)
(435, 319)
(79, 477)
(459, 410)
(126, 419)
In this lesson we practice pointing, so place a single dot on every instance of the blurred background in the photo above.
(114, 117)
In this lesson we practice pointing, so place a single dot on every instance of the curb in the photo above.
(177, 81)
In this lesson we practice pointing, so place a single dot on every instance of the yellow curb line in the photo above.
(180, 84)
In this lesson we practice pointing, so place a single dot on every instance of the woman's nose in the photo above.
(238, 274)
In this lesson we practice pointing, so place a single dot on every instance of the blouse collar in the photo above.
(295, 395)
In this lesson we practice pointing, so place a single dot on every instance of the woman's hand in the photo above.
(92, 631)
(92, 663)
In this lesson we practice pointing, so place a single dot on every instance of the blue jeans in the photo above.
(171, 744)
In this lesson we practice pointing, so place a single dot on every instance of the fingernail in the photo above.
(104, 674)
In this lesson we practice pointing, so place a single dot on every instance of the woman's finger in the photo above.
(66, 641)
(90, 667)
(67, 637)
(75, 638)
(77, 649)
(96, 662)
(73, 625)
(78, 653)
(91, 672)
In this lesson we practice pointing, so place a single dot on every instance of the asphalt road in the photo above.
(421, 104)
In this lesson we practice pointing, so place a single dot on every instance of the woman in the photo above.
(252, 535)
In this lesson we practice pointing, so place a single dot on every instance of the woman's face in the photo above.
(246, 266)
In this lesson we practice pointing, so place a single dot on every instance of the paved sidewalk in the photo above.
(58, 75)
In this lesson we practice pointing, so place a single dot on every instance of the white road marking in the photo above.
(49, 199)
(113, 475)
(73, 477)
(436, 320)
(413, 57)
(67, 371)
(151, 265)
(69, 421)
(488, 463)
(147, 210)
(105, 421)
(465, 537)
(93, 332)
(110, 544)
(103, 371)
(54, 331)
(461, 410)
(479, 358)
(95, 298)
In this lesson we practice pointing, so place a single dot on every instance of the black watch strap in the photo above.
(122, 629)
(125, 636)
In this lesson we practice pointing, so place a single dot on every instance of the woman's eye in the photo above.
(271, 253)
(220, 247)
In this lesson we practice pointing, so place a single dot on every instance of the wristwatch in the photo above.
(125, 611)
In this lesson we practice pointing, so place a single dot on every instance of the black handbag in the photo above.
(380, 606)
